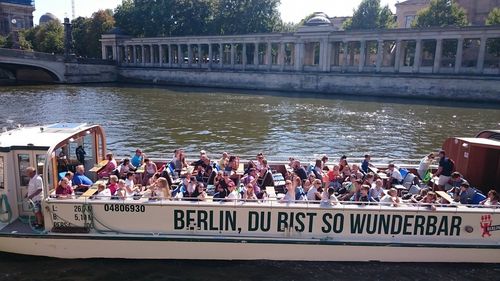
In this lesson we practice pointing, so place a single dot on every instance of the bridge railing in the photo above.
(31, 55)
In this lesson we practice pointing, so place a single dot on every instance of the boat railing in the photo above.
(274, 202)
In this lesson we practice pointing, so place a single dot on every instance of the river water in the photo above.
(158, 120)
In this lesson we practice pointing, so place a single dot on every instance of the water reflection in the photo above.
(162, 119)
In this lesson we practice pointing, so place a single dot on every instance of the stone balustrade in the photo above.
(468, 50)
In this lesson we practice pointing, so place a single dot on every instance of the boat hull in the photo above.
(140, 247)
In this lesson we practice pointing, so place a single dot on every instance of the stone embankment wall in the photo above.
(465, 88)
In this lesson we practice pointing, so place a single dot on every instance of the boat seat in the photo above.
(271, 192)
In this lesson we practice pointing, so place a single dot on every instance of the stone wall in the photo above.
(479, 88)
(89, 73)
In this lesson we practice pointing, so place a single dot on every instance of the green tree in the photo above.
(47, 38)
(81, 35)
(441, 13)
(370, 15)
(197, 17)
(493, 17)
(493, 45)
(3, 42)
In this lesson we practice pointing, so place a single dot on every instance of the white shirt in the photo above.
(424, 166)
(396, 175)
(233, 195)
(35, 184)
(311, 193)
(130, 184)
(104, 195)
(376, 193)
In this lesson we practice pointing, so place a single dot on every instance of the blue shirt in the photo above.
(81, 179)
(364, 166)
(136, 160)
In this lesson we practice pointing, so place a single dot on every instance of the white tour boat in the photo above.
(86, 227)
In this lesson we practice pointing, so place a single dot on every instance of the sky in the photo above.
(291, 10)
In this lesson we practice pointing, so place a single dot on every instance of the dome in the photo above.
(48, 17)
(318, 19)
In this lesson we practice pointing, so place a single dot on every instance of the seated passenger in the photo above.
(328, 197)
(356, 171)
(429, 200)
(391, 198)
(290, 193)
(394, 175)
(377, 191)
(80, 181)
(324, 166)
(149, 170)
(163, 189)
(124, 168)
(369, 179)
(109, 168)
(232, 165)
(318, 169)
(492, 199)
(260, 164)
(233, 193)
(223, 161)
(204, 162)
(454, 184)
(137, 159)
(249, 193)
(299, 170)
(300, 194)
(190, 189)
(69, 175)
(344, 167)
(366, 164)
(113, 184)
(314, 192)
(334, 178)
(103, 193)
(466, 194)
(202, 194)
(64, 189)
(266, 177)
(365, 194)
(121, 191)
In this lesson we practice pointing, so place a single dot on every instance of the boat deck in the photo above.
(17, 226)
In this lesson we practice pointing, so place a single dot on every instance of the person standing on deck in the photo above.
(424, 165)
(445, 169)
(35, 193)
(138, 159)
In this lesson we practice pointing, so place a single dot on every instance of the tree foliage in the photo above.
(197, 17)
(493, 44)
(370, 15)
(47, 38)
(87, 32)
(441, 13)
(493, 17)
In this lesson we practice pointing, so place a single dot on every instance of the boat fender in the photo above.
(5, 209)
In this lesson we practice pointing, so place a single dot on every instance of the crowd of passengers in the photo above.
(322, 182)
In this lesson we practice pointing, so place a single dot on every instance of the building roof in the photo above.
(413, 2)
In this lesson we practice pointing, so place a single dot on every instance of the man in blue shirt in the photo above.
(80, 181)
(138, 159)
(445, 169)
(366, 163)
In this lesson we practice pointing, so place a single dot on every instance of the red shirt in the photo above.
(60, 190)
(112, 187)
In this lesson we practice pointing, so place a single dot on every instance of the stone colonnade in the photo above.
(474, 50)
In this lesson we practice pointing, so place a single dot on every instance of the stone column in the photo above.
(380, 55)
(299, 56)
(256, 55)
(190, 55)
(362, 55)
(143, 57)
(482, 54)
(397, 62)
(103, 52)
(221, 55)
(199, 55)
(459, 55)
(233, 52)
(160, 54)
(244, 55)
(438, 55)
(418, 56)
(133, 54)
(281, 56)
(344, 63)
(180, 56)
(269, 55)
(170, 53)
(210, 55)
(328, 55)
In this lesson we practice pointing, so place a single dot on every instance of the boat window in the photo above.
(2, 175)
(23, 160)
(40, 161)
